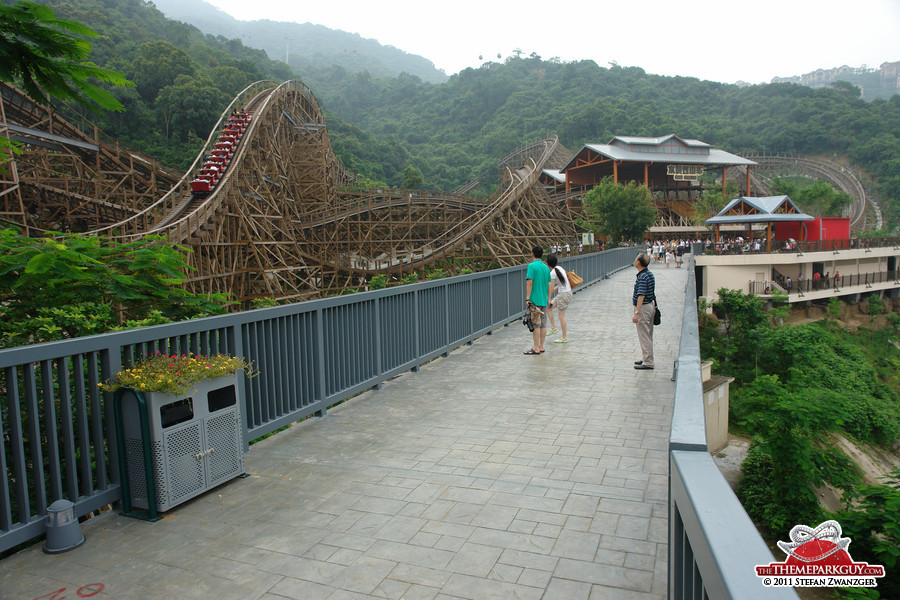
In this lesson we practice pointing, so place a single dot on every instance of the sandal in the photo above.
(531, 352)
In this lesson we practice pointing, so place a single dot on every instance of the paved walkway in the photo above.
(488, 474)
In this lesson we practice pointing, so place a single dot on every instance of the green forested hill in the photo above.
(460, 129)
(456, 131)
(184, 78)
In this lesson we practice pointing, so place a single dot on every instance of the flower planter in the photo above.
(195, 440)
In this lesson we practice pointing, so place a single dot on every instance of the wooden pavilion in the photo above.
(768, 209)
(670, 166)
(660, 163)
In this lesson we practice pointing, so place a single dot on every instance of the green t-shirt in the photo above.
(539, 274)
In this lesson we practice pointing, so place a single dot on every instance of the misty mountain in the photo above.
(306, 46)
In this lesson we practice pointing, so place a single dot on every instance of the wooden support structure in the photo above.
(282, 222)
(69, 178)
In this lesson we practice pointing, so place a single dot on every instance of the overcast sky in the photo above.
(710, 39)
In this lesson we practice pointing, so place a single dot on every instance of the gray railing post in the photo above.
(378, 333)
(236, 332)
(321, 376)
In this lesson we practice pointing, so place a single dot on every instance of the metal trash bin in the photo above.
(195, 442)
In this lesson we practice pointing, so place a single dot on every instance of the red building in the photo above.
(820, 228)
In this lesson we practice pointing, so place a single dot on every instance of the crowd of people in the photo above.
(741, 245)
(669, 251)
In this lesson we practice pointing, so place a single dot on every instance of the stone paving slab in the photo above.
(487, 474)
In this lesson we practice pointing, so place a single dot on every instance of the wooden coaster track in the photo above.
(282, 223)
(864, 213)
(69, 176)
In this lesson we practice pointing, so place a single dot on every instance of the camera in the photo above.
(526, 321)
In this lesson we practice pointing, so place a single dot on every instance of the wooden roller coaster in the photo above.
(280, 221)
(864, 212)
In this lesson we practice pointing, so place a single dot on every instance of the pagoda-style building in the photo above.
(670, 166)
(768, 210)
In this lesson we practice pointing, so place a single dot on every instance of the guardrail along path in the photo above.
(487, 474)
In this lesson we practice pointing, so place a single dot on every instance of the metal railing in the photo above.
(57, 437)
(795, 247)
(713, 544)
(822, 284)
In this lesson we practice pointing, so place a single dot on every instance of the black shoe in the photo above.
(643, 367)
(638, 362)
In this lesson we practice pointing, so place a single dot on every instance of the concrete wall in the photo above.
(715, 407)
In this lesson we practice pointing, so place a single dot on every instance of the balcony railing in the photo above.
(863, 281)
(795, 247)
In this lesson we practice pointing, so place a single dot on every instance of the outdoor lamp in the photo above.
(63, 529)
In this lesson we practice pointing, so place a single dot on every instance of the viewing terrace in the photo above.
(806, 271)
(464, 469)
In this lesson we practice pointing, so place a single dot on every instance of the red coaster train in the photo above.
(215, 164)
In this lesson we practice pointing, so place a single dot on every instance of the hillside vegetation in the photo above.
(798, 387)
(457, 131)
(184, 78)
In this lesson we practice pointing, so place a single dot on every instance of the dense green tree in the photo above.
(189, 106)
(818, 198)
(230, 80)
(157, 65)
(47, 56)
(622, 212)
(845, 87)
(714, 199)
(872, 521)
(412, 178)
(788, 460)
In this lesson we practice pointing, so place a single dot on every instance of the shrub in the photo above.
(765, 503)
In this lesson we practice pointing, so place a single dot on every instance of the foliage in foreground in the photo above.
(795, 386)
(874, 525)
(75, 285)
(47, 56)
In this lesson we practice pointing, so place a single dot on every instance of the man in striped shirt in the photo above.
(644, 301)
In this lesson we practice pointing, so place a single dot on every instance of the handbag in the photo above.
(657, 316)
(574, 279)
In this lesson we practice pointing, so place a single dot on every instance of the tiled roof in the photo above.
(765, 209)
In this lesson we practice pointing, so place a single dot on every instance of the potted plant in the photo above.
(178, 427)
(177, 373)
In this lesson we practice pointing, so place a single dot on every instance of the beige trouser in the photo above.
(645, 332)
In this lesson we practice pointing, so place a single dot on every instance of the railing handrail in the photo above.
(311, 355)
(713, 544)
(785, 247)
(823, 284)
